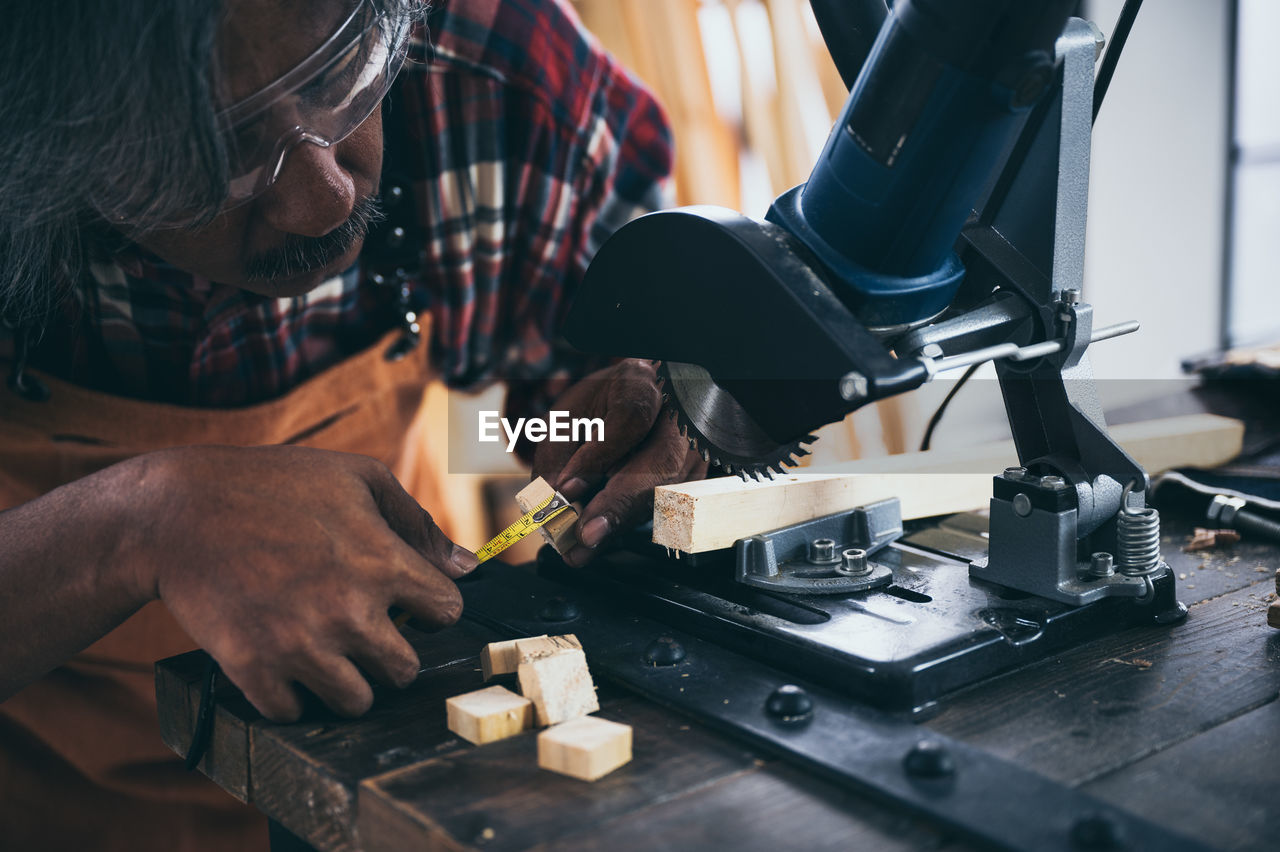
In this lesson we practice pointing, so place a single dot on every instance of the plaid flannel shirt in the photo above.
(530, 145)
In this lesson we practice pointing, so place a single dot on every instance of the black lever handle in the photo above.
(849, 27)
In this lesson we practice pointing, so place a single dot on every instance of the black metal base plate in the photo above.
(900, 648)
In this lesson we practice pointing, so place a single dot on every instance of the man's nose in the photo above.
(313, 193)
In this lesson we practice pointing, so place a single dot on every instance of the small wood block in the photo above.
(488, 715)
(1273, 614)
(554, 676)
(544, 646)
(499, 658)
(586, 748)
(559, 530)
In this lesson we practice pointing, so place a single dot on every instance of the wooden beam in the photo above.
(714, 513)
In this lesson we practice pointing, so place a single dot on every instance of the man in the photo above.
(213, 366)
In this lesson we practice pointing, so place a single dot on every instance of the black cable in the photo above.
(942, 409)
(1112, 57)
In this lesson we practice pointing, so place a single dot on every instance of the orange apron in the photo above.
(82, 765)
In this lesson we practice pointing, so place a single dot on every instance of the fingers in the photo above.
(662, 458)
(411, 522)
(272, 695)
(633, 402)
(430, 596)
(384, 653)
(337, 682)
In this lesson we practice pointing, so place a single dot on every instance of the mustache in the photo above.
(300, 255)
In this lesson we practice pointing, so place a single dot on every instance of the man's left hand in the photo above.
(642, 449)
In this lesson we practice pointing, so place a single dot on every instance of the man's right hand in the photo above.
(282, 562)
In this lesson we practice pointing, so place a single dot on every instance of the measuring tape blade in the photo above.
(545, 511)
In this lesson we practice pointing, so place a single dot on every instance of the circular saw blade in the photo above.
(718, 427)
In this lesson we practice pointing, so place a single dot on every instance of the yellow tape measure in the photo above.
(548, 509)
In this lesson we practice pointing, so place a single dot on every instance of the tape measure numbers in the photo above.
(548, 509)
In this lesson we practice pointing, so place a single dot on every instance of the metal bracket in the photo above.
(825, 556)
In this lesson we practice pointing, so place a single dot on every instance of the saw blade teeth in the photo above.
(706, 456)
(768, 474)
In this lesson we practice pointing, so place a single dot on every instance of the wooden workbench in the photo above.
(1180, 725)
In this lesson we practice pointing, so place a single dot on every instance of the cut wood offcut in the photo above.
(558, 532)
(488, 715)
(586, 748)
(554, 676)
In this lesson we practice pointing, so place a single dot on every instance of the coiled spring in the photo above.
(1138, 538)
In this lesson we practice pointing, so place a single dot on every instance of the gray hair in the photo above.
(108, 113)
(107, 107)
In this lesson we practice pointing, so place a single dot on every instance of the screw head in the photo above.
(933, 350)
(822, 551)
(560, 609)
(854, 562)
(1054, 482)
(789, 703)
(854, 386)
(664, 651)
(1096, 831)
(1021, 505)
(929, 759)
(1102, 564)
(1015, 472)
(395, 239)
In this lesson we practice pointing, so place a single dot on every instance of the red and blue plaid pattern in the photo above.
(532, 146)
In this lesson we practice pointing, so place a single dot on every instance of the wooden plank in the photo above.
(769, 808)
(328, 757)
(711, 514)
(497, 796)
(226, 761)
(1100, 707)
(1222, 786)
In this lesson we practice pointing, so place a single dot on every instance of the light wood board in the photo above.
(711, 514)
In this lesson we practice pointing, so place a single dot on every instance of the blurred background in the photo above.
(1184, 209)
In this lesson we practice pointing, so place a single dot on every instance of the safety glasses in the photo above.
(320, 102)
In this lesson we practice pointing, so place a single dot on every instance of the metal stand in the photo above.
(1070, 524)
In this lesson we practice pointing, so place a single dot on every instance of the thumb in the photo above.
(411, 522)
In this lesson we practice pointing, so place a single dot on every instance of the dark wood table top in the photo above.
(1179, 725)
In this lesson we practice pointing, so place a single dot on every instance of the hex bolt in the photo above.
(1015, 472)
(929, 759)
(822, 551)
(789, 703)
(1070, 296)
(1021, 505)
(1097, 831)
(855, 563)
(664, 651)
(1053, 482)
(932, 350)
(560, 609)
(1102, 564)
(854, 386)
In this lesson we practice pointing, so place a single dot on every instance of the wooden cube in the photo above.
(488, 715)
(499, 658)
(558, 532)
(554, 676)
(586, 748)
(544, 646)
